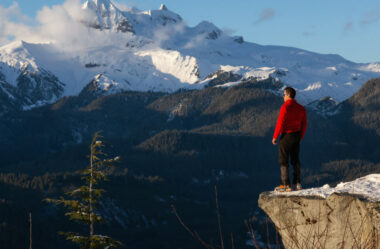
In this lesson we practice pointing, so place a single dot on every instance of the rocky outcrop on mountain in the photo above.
(209, 29)
(99, 86)
(325, 106)
(341, 220)
(40, 86)
(103, 14)
(221, 77)
(34, 88)
(239, 39)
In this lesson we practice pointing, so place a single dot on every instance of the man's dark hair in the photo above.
(290, 92)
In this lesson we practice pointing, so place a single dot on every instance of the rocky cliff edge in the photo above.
(347, 216)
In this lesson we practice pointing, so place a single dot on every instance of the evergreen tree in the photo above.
(82, 205)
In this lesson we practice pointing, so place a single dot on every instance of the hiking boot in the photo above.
(297, 187)
(283, 188)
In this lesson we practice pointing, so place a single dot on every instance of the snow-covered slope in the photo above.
(156, 51)
(367, 186)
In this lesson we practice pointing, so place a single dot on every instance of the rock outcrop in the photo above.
(341, 220)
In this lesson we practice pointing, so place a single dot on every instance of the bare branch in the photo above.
(195, 235)
(250, 229)
(218, 215)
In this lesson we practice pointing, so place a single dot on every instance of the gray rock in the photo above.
(34, 88)
(326, 106)
(41, 86)
(239, 39)
(223, 77)
(339, 221)
(125, 26)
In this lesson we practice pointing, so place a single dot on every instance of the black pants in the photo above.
(289, 146)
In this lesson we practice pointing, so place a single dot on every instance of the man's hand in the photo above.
(274, 141)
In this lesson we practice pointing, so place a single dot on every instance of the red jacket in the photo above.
(292, 118)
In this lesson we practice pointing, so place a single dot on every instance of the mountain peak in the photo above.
(164, 16)
(100, 6)
(106, 16)
(163, 7)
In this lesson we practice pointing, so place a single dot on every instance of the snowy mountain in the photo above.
(156, 51)
(102, 14)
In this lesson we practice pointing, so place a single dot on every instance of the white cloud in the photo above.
(59, 24)
(13, 13)
(63, 26)
(165, 33)
(229, 31)
(196, 41)
(11, 23)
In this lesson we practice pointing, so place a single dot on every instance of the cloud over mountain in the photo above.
(59, 24)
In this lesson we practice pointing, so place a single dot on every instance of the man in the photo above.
(291, 125)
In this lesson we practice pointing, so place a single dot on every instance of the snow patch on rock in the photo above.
(367, 186)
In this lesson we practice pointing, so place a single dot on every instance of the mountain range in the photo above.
(156, 51)
(174, 149)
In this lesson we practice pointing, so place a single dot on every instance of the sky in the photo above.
(349, 28)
